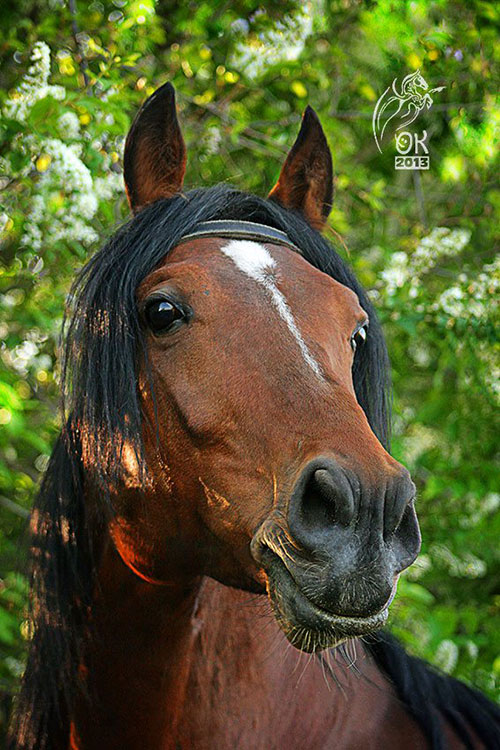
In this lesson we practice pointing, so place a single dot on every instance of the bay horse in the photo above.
(221, 499)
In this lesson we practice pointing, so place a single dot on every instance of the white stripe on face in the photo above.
(257, 262)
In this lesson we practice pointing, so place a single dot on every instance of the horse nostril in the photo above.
(322, 502)
(399, 496)
(340, 500)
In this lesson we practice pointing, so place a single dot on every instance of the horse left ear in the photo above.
(305, 183)
(154, 161)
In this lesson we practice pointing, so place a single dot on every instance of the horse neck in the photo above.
(199, 664)
(134, 666)
(163, 656)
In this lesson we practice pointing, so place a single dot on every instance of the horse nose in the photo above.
(327, 498)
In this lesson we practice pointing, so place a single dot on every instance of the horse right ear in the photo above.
(154, 161)
(305, 183)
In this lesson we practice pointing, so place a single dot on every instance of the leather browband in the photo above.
(247, 230)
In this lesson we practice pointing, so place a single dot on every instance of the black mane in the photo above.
(431, 697)
(101, 411)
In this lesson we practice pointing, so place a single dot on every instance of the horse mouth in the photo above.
(307, 626)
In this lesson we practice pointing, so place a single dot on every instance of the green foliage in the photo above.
(423, 243)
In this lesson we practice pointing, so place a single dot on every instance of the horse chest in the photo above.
(247, 689)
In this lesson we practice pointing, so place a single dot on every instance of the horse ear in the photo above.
(154, 161)
(305, 183)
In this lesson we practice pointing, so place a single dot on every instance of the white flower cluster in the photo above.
(67, 195)
(418, 440)
(66, 177)
(107, 188)
(26, 355)
(489, 356)
(421, 565)
(472, 650)
(446, 656)
(3, 221)
(406, 270)
(284, 42)
(34, 86)
(471, 298)
(479, 508)
(69, 125)
(212, 140)
(32, 234)
(469, 566)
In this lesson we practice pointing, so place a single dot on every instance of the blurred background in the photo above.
(72, 76)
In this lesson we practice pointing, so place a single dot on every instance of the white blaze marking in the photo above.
(258, 263)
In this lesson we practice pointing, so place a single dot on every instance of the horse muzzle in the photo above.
(308, 626)
(333, 556)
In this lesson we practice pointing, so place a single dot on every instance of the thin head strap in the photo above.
(248, 230)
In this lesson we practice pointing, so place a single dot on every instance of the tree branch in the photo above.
(74, 26)
(13, 507)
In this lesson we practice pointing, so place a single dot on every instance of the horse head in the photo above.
(411, 83)
(262, 468)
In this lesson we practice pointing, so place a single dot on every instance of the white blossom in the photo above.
(67, 197)
(37, 209)
(34, 85)
(468, 566)
(421, 565)
(408, 269)
(397, 273)
(472, 297)
(446, 656)
(472, 649)
(212, 139)
(75, 230)
(85, 204)
(32, 236)
(66, 177)
(284, 42)
(109, 187)
(3, 221)
(68, 165)
(418, 440)
(24, 356)
(69, 125)
(479, 508)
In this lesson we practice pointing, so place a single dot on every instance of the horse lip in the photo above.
(344, 626)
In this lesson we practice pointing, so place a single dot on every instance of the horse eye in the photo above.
(160, 315)
(359, 337)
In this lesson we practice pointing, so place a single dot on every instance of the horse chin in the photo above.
(308, 627)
